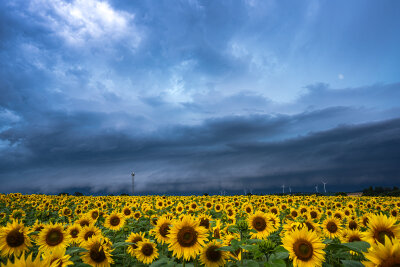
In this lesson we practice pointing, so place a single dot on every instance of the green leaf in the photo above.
(226, 248)
(248, 247)
(73, 250)
(121, 244)
(275, 263)
(349, 263)
(358, 246)
(250, 263)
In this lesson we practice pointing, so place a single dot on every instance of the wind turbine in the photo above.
(290, 189)
(283, 189)
(316, 188)
(324, 186)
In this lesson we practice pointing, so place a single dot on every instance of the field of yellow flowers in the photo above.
(43, 230)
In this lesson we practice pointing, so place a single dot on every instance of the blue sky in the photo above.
(198, 96)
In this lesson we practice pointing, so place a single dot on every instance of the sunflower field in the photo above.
(44, 230)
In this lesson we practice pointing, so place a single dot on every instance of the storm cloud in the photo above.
(207, 97)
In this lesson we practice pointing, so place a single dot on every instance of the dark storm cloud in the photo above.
(221, 153)
(201, 96)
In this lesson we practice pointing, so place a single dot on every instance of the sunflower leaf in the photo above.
(358, 246)
(227, 248)
(275, 263)
(75, 250)
(350, 263)
(121, 244)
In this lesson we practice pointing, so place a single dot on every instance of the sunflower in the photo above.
(134, 238)
(216, 230)
(349, 236)
(162, 229)
(179, 208)
(17, 215)
(57, 258)
(218, 207)
(114, 221)
(353, 224)
(73, 231)
(127, 212)
(14, 239)
(186, 238)
(380, 226)
(66, 211)
(387, 254)
(94, 214)
(305, 248)
(98, 252)
(332, 227)
(260, 222)
(204, 220)
(85, 220)
(247, 208)
(314, 214)
(212, 257)
(53, 236)
(146, 251)
(88, 232)
(27, 262)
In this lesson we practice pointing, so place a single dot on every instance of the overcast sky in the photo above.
(198, 96)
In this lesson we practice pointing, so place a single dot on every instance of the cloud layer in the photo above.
(195, 99)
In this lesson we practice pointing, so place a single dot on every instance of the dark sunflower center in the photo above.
(114, 221)
(74, 233)
(248, 210)
(97, 254)
(213, 254)
(15, 238)
(95, 214)
(259, 224)
(154, 220)
(137, 215)
(303, 210)
(216, 234)
(303, 250)
(187, 236)
(337, 215)
(88, 235)
(147, 249)
(380, 235)
(205, 223)
(208, 205)
(274, 211)
(353, 225)
(135, 240)
(313, 214)
(354, 238)
(164, 229)
(394, 213)
(127, 212)
(390, 262)
(54, 237)
(294, 213)
(194, 206)
(332, 227)
(84, 223)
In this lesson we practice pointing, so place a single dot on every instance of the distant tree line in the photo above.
(381, 191)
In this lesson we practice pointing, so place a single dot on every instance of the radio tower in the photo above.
(133, 183)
